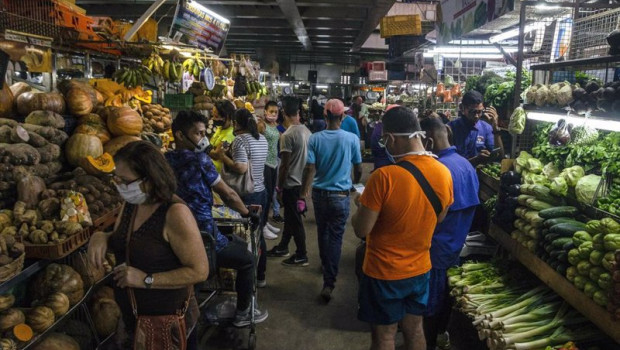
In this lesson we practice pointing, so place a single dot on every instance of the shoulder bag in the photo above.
(243, 184)
(426, 187)
(160, 332)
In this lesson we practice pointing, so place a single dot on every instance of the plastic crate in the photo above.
(60, 250)
(178, 101)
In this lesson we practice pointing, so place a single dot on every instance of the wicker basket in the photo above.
(10, 270)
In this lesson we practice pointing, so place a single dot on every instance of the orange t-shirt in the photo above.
(398, 245)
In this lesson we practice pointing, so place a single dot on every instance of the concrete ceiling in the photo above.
(296, 31)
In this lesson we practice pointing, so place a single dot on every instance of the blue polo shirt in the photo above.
(349, 124)
(333, 152)
(469, 141)
(451, 233)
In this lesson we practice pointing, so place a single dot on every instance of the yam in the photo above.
(46, 118)
(52, 135)
(55, 167)
(47, 194)
(36, 140)
(28, 190)
(8, 122)
(50, 208)
(19, 135)
(20, 154)
(50, 152)
(5, 134)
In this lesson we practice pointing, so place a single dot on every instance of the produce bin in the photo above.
(60, 250)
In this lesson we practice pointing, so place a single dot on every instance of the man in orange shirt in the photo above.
(397, 214)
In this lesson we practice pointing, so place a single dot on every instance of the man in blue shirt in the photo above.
(331, 153)
(197, 179)
(450, 234)
(474, 138)
(349, 124)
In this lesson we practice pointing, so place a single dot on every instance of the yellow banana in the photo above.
(166, 70)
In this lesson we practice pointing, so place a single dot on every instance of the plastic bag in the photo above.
(517, 121)
(73, 208)
(560, 134)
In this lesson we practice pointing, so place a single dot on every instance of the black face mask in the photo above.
(219, 122)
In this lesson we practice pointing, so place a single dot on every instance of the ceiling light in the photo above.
(515, 32)
(202, 8)
(601, 124)
(482, 56)
(321, 86)
(471, 49)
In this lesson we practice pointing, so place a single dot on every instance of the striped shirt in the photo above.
(247, 147)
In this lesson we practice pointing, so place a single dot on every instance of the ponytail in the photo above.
(246, 121)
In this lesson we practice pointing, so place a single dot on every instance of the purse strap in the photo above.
(426, 187)
(132, 296)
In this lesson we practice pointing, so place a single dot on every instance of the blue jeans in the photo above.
(259, 198)
(331, 210)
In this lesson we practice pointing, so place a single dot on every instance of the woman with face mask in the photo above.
(165, 250)
(223, 137)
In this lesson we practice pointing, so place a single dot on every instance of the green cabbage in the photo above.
(551, 171)
(573, 174)
(586, 188)
(558, 186)
(534, 165)
(517, 121)
(522, 159)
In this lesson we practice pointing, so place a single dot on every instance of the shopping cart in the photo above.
(222, 282)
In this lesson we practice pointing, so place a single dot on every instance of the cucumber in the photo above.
(538, 205)
(555, 221)
(558, 243)
(567, 229)
(558, 212)
(550, 237)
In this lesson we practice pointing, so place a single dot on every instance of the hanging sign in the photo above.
(198, 26)
(456, 18)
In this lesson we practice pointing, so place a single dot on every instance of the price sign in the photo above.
(198, 26)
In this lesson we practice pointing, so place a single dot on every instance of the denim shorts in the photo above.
(386, 302)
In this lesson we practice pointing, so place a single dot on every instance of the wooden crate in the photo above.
(60, 250)
(489, 181)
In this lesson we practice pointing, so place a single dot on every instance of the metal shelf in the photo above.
(558, 283)
(32, 267)
(576, 63)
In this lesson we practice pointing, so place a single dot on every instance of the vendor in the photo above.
(474, 138)
(222, 138)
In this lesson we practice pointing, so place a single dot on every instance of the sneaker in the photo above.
(278, 219)
(326, 293)
(295, 261)
(272, 228)
(269, 234)
(261, 283)
(245, 319)
(443, 341)
(276, 252)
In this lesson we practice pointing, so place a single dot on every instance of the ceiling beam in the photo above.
(333, 24)
(381, 8)
(334, 13)
(291, 12)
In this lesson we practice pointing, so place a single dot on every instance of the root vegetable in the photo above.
(18, 211)
(50, 208)
(28, 190)
(5, 134)
(46, 118)
(20, 154)
(8, 122)
(68, 228)
(52, 135)
(50, 152)
(9, 231)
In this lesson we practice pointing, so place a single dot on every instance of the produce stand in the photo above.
(576, 298)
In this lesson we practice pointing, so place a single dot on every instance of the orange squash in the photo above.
(98, 130)
(124, 121)
(118, 142)
(100, 165)
(81, 145)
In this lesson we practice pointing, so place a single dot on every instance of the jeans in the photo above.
(237, 257)
(293, 225)
(331, 211)
(259, 198)
(270, 184)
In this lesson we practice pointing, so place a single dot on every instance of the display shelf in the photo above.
(599, 120)
(577, 63)
(558, 283)
(32, 267)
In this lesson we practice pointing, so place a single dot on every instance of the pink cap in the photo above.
(335, 106)
(391, 106)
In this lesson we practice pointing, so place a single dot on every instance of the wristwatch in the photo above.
(148, 281)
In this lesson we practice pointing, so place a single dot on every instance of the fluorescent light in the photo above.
(601, 124)
(465, 55)
(471, 49)
(321, 86)
(468, 42)
(515, 32)
(281, 84)
(202, 8)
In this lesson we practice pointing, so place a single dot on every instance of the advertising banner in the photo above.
(456, 18)
(197, 26)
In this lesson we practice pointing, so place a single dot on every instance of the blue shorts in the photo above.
(438, 291)
(386, 302)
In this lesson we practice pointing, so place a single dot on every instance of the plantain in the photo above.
(166, 70)
(196, 71)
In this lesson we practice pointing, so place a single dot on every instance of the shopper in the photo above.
(476, 132)
(379, 153)
(360, 118)
(349, 124)
(450, 234)
(282, 125)
(331, 155)
(397, 214)
(197, 179)
(293, 153)
(318, 122)
(249, 152)
(166, 255)
(223, 137)
(271, 166)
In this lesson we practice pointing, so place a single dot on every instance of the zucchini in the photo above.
(555, 221)
(568, 246)
(562, 268)
(538, 205)
(550, 237)
(567, 229)
(558, 212)
(523, 198)
(558, 243)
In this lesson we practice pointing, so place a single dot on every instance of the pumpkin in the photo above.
(58, 278)
(7, 344)
(117, 143)
(40, 318)
(92, 118)
(19, 88)
(10, 318)
(22, 332)
(45, 101)
(58, 302)
(99, 97)
(99, 165)
(124, 121)
(6, 102)
(105, 313)
(79, 102)
(57, 341)
(81, 145)
(98, 130)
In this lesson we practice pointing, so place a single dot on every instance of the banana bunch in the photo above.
(194, 66)
(255, 90)
(132, 77)
(155, 64)
(173, 71)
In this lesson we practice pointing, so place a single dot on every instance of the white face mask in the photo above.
(392, 158)
(132, 193)
(202, 145)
